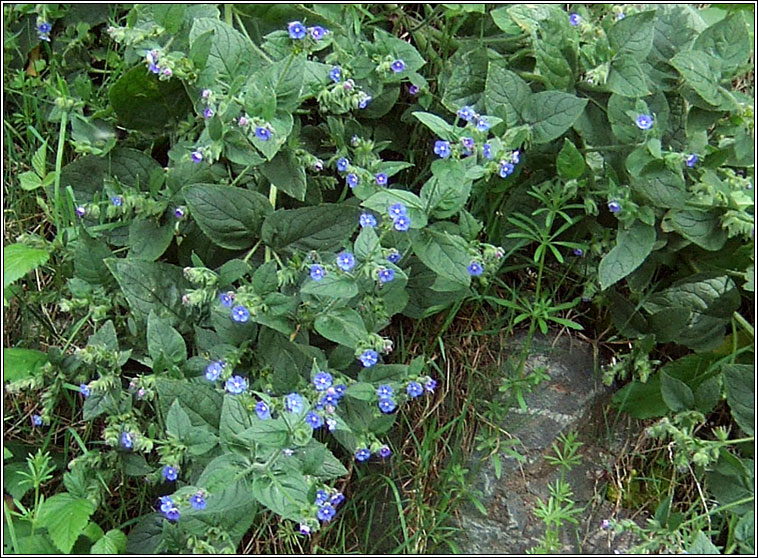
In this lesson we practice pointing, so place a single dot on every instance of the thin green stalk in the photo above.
(11, 528)
(58, 167)
(272, 199)
(228, 14)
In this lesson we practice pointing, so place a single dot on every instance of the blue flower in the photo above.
(304, 529)
(318, 32)
(369, 358)
(487, 151)
(692, 160)
(240, 314)
(262, 133)
(296, 30)
(317, 272)
(197, 501)
(213, 370)
(322, 381)
(475, 269)
(381, 179)
(367, 220)
(402, 223)
(173, 514)
(352, 180)
(397, 210)
(385, 275)
(506, 169)
(430, 385)
(442, 148)
(314, 420)
(262, 410)
(326, 512)
(154, 68)
(575, 19)
(340, 389)
(398, 66)
(614, 207)
(384, 452)
(365, 100)
(387, 405)
(621, 16)
(207, 112)
(170, 473)
(44, 27)
(118, 201)
(329, 399)
(294, 402)
(337, 499)
(515, 157)
(413, 90)
(345, 261)
(342, 164)
(578, 252)
(336, 74)
(414, 389)
(80, 210)
(166, 503)
(236, 385)
(468, 143)
(196, 157)
(179, 212)
(394, 256)
(644, 121)
(84, 390)
(226, 299)
(36, 420)
(127, 441)
(362, 454)
(321, 497)
(384, 391)
(482, 125)
(466, 113)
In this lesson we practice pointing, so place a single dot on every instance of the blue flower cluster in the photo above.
(43, 31)
(399, 215)
(297, 31)
(386, 402)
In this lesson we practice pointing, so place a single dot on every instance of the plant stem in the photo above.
(58, 167)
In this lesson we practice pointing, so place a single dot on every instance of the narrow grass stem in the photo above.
(58, 166)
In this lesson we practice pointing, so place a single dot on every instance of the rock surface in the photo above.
(572, 399)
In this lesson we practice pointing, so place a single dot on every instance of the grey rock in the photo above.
(572, 399)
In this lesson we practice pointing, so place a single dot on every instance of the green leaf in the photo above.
(19, 259)
(39, 160)
(740, 394)
(265, 278)
(89, 260)
(113, 542)
(697, 70)
(146, 536)
(148, 239)
(702, 545)
(663, 188)
(229, 54)
(711, 298)
(65, 517)
(627, 78)
(286, 173)
(633, 35)
(729, 41)
(440, 127)
(177, 421)
(447, 191)
(285, 495)
(333, 285)
(445, 254)
(235, 418)
(342, 325)
(633, 245)
(570, 163)
(143, 102)
(323, 227)
(29, 181)
(701, 227)
(150, 286)
(19, 364)
(505, 93)
(551, 63)
(200, 400)
(231, 217)
(551, 113)
(268, 432)
(642, 401)
(676, 394)
(367, 244)
(465, 81)
(320, 462)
